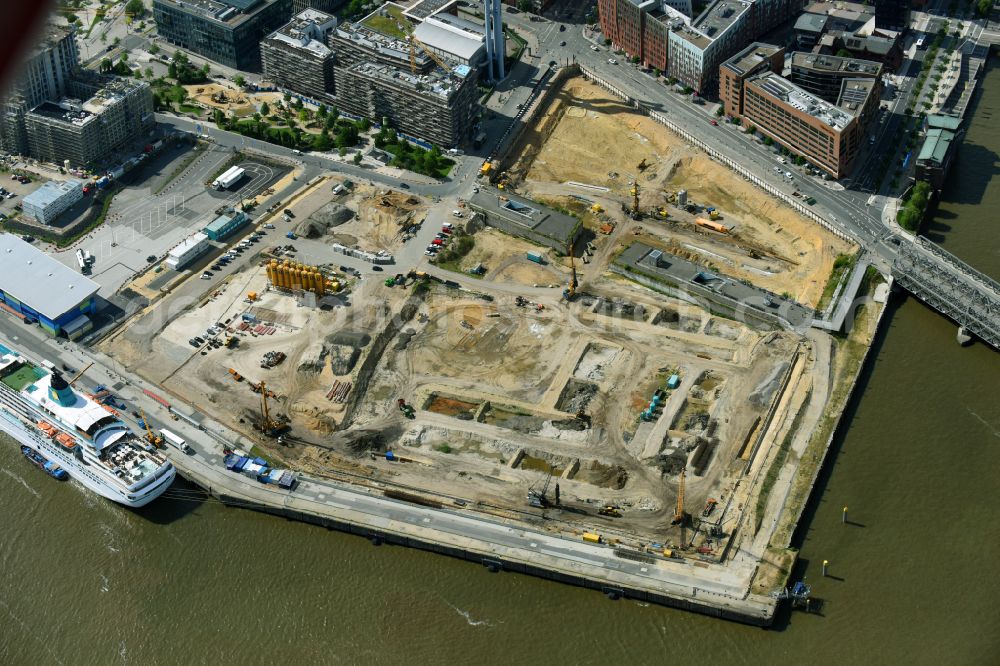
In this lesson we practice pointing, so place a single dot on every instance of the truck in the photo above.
(82, 261)
(291, 235)
(229, 178)
(175, 440)
(536, 257)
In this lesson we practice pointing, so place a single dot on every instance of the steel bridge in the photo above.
(949, 285)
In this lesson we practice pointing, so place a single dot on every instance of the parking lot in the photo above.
(19, 190)
(141, 224)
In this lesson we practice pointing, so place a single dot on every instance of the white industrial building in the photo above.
(51, 199)
(449, 35)
(188, 250)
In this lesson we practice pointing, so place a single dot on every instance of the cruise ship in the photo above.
(40, 409)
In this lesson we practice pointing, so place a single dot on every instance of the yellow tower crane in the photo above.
(679, 516)
(426, 49)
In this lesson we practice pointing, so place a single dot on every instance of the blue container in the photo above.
(674, 381)
(389, 455)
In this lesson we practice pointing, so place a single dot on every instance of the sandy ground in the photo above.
(769, 243)
(505, 260)
(240, 102)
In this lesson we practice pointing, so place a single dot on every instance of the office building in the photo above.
(189, 249)
(809, 29)
(824, 75)
(753, 60)
(225, 31)
(296, 56)
(50, 200)
(37, 287)
(375, 78)
(830, 136)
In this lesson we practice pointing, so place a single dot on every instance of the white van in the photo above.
(456, 213)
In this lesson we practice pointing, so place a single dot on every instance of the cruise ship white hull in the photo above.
(78, 469)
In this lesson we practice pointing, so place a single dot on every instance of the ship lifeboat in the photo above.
(66, 440)
(47, 428)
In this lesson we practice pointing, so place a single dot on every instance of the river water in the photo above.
(913, 580)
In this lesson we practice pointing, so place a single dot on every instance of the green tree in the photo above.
(149, 73)
(364, 124)
(205, 70)
(287, 97)
(118, 40)
(303, 115)
(321, 142)
(321, 111)
(154, 49)
(265, 110)
(219, 118)
(342, 151)
(106, 65)
(135, 8)
(525, 5)
(357, 157)
(239, 80)
(844, 53)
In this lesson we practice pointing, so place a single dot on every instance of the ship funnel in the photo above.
(60, 391)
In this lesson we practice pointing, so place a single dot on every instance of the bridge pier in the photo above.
(964, 338)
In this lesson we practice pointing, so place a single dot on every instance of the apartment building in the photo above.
(296, 56)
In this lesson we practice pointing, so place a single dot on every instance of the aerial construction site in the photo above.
(583, 390)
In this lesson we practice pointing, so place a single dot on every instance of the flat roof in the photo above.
(719, 16)
(462, 44)
(836, 64)
(424, 8)
(189, 243)
(809, 22)
(854, 93)
(229, 12)
(529, 214)
(751, 57)
(782, 89)
(39, 281)
(306, 31)
(51, 191)
(436, 83)
(220, 222)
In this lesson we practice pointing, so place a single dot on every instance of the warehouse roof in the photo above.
(38, 280)
(462, 44)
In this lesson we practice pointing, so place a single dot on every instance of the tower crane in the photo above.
(679, 516)
(635, 199)
(426, 49)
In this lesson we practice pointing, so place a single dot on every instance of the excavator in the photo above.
(643, 165)
(570, 291)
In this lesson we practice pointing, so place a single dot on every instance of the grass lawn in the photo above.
(389, 25)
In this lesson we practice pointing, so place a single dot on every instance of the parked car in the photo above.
(269, 226)
(289, 213)
(404, 186)
(612, 61)
(198, 339)
(151, 258)
(376, 267)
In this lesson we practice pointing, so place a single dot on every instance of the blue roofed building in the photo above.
(225, 224)
(40, 289)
